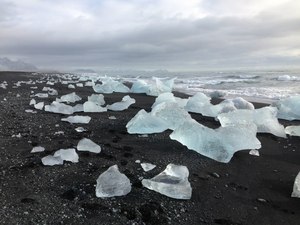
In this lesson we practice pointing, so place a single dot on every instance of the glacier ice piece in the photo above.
(218, 144)
(147, 166)
(39, 106)
(172, 182)
(160, 86)
(254, 152)
(139, 86)
(109, 86)
(78, 108)
(288, 108)
(77, 119)
(240, 103)
(30, 111)
(145, 123)
(93, 107)
(86, 144)
(171, 113)
(98, 99)
(71, 86)
(72, 97)
(293, 130)
(51, 160)
(296, 188)
(112, 183)
(57, 107)
(112, 117)
(169, 97)
(32, 102)
(80, 129)
(67, 155)
(42, 95)
(124, 104)
(37, 149)
(264, 118)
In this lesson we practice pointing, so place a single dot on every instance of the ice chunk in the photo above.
(145, 123)
(39, 105)
(109, 86)
(240, 103)
(67, 155)
(172, 182)
(160, 86)
(124, 104)
(79, 84)
(50, 160)
(254, 152)
(112, 118)
(80, 129)
(296, 188)
(147, 166)
(77, 119)
(112, 183)
(32, 102)
(288, 108)
(88, 145)
(71, 86)
(93, 107)
(169, 97)
(140, 86)
(98, 99)
(293, 130)
(42, 95)
(30, 111)
(78, 108)
(37, 149)
(171, 113)
(264, 118)
(57, 107)
(219, 144)
(72, 97)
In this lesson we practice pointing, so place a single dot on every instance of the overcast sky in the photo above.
(151, 34)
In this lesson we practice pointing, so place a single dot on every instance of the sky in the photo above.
(151, 34)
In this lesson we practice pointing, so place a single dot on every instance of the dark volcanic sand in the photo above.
(249, 190)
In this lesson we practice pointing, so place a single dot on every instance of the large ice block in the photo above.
(57, 107)
(98, 99)
(293, 130)
(169, 97)
(288, 108)
(172, 182)
(112, 183)
(109, 86)
(219, 144)
(124, 104)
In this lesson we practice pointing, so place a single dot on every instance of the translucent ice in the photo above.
(172, 182)
(112, 183)
(98, 99)
(264, 118)
(67, 155)
(93, 107)
(37, 149)
(147, 166)
(288, 108)
(171, 113)
(124, 104)
(296, 188)
(109, 86)
(72, 97)
(160, 86)
(240, 103)
(254, 152)
(145, 123)
(88, 145)
(32, 102)
(57, 107)
(71, 86)
(39, 105)
(42, 95)
(77, 119)
(219, 144)
(139, 86)
(50, 160)
(293, 130)
(169, 97)
(78, 108)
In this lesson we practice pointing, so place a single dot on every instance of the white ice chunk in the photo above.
(293, 130)
(171, 113)
(88, 145)
(93, 107)
(160, 86)
(124, 104)
(264, 118)
(172, 182)
(37, 149)
(147, 166)
(32, 102)
(288, 108)
(139, 86)
(254, 152)
(240, 103)
(72, 97)
(169, 97)
(80, 129)
(57, 107)
(79, 84)
(77, 119)
(71, 86)
(219, 144)
(98, 99)
(67, 155)
(42, 95)
(296, 188)
(145, 123)
(50, 160)
(109, 86)
(112, 183)
(78, 108)
(39, 106)
(112, 118)
(30, 111)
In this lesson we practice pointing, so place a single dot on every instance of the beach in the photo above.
(247, 190)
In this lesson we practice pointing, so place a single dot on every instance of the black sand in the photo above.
(248, 190)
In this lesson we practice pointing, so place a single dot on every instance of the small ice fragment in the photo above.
(42, 95)
(79, 84)
(124, 104)
(67, 155)
(254, 152)
(17, 135)
(37, 149)
(147, 166)
(296, 188)
(112, 118)
(32, 102)
(112, 183)
(144, 135)
(59, 133)
(72, 97)
(18, 95)
(50, 160)
(39, 106)
(172, 182)
(88, 145)
(80, 129)
(77, 119)
(71, 86)
(30, 111)
(137, 161)
(293, 130)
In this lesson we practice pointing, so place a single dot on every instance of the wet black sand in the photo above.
(248, 190)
